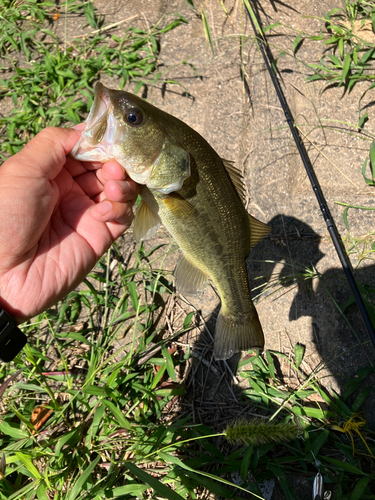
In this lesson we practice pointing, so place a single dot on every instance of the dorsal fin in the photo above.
(258, 230)
(236, 177)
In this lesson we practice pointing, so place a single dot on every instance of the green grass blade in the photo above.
(117, 413)
(133, 294)
(363, 118)
(245, 465)
(159, 488)
(346, 68)
(344, 466)
(169, 362)
(253, 16)
(207, 32)
(299, 352)
(82, 478)
(133, 489)
(177, 461)
(27, 462)
(296, 43)
(372, 155)
(359, 488)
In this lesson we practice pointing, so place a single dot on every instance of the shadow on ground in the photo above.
(285, 263)
(293, 251)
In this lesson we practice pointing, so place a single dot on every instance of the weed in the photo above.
(88, 407)
(350, 40)
(47, 80)
(109, 421)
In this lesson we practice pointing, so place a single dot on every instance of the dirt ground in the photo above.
(251, 130)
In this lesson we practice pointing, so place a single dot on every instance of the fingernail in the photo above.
(124, 187)
(80, 126)
(103, 208)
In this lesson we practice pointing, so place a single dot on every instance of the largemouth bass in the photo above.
(194, 193)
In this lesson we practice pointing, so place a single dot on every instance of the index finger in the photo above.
(105, 171)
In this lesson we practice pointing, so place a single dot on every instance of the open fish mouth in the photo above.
(97, 126)
(118, 128)
(102, 130)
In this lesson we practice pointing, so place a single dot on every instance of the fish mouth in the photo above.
(99, 106)
(101, 123)
(103, 130)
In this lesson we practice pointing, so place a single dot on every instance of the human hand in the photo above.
(57, 217)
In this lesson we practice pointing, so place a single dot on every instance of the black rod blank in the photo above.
(331, 226)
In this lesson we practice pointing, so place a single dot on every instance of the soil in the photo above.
(249, 127)
(245, 123)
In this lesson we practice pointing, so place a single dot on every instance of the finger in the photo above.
(90, 184)
(75, 167)
(121, 191)
(111, 211)
(113, 170)
(102, 197)
(105, 171)
(45, 155)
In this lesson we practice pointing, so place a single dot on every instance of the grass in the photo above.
(349, 59)
(50, 80)
(93, 407)
(113, 411)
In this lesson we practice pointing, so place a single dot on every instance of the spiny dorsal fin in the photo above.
(189, 279)
(258, 230)
(146, 222)
(236, 177)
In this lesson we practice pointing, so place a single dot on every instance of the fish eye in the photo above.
(134, 117)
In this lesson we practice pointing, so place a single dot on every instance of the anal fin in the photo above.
(189, 279)
(146, 222)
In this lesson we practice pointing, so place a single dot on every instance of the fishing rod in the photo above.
(331, 226)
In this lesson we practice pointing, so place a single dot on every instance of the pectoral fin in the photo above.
(189, 279)
(258, 230)
(146, 222)
(179, 207)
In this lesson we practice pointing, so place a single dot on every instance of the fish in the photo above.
(194, 193)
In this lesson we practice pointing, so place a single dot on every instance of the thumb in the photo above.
(45, 154)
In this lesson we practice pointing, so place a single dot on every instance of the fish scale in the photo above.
(195, 194)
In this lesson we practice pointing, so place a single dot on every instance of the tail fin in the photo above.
(233, 335)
